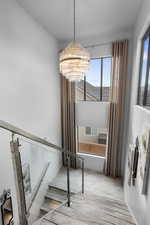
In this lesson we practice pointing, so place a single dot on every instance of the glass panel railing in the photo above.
(37, 166)
(38, 189)
(36, 163)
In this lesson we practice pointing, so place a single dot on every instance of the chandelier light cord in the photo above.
(74, 18)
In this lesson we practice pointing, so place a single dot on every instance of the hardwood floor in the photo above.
(102, 204)
(92, 148)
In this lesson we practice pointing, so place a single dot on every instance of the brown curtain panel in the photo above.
(117, 105)
(68, 119)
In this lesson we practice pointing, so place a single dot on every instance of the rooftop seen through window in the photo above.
(96, 85)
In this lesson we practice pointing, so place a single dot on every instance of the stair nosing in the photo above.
(59, 188)
(45, 209)
(48, 195)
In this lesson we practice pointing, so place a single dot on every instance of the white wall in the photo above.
(92, 162)
(92, 114)
(29, 86)
(139, 204)
(138, 118)
(101, 50)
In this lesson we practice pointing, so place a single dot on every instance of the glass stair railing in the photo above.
(33, 164)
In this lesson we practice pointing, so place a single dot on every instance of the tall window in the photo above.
(144, 80)
(96, 84)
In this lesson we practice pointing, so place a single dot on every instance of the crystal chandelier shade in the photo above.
(74, 62)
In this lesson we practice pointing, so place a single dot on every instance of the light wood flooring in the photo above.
(102, 204)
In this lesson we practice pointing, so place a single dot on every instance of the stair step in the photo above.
(57, 189)
(56, 196)
(50, 205)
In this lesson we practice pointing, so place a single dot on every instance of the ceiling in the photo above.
(93, 17)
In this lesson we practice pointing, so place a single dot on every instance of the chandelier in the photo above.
(74, 60)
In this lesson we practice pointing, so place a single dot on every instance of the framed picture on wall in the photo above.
(133, 157)
(130, 163)
(135, 161)
(144, 162)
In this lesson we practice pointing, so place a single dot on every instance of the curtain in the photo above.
(68, 119)
(117, 106)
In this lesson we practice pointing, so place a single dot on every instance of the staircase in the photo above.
(102, 204)
(54, 198)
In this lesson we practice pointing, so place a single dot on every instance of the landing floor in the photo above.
(102, 203)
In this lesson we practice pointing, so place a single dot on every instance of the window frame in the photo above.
(144, 100)
(101, 79)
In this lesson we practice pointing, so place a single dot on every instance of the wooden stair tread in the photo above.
(50, 204)
(56, 196)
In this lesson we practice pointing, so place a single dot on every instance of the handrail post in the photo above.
(16, 159)
(68, 179)
(83, 176)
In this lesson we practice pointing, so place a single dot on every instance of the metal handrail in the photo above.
(21, 132)
(15, 130)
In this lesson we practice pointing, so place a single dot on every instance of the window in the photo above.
(88, 130)
(92, 140)
(92, 81)
(91, 131)
(144, 79)
(96, 84)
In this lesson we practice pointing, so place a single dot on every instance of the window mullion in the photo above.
(147, 76)
(84, 88)
(101, 80)
(140, 74)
